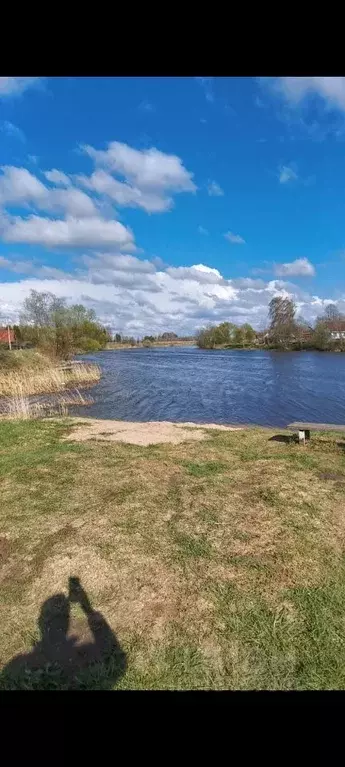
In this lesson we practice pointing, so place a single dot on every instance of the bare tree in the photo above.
(282, 319)
(332, 313)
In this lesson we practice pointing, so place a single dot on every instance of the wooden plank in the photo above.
(299, 426)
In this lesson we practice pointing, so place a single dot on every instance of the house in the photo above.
(336, 329)
(7, 336)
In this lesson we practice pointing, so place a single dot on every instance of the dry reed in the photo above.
(25, 382)
(22, 408)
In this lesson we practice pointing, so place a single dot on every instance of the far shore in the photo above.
(112, 346)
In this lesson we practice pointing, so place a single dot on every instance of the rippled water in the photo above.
(188, 384)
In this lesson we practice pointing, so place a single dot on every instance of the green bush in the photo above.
(89, 345)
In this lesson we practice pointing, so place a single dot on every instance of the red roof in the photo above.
(337, 325)
(4, 336)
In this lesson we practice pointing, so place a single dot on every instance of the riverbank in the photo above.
(214, 563)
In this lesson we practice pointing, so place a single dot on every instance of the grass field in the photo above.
(215, 564)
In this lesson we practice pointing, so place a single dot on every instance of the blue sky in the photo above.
(168, 203)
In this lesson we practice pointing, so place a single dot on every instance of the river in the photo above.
(229, 387)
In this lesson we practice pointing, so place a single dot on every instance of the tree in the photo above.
(168, 336)
(58, 329)
(282, 319)
(321, 337)
(215, 335)
(332, 313)
(250, 334)
(205, 338)
(239, 336)
(118, 338)
(223, 333)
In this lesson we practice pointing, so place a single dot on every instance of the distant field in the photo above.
(215, 564)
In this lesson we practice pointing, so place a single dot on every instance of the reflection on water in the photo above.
(188, 384)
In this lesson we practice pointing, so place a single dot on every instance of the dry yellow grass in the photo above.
(216, 564)
(25, 382)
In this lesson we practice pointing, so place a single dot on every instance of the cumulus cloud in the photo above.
(301, 267)
(286, 173)
(214, 189)
(90, 232)
(235, 239)
(150, 176)
(247, 283)
(20, 187)
(199, 273)
(57, 177)
(83, 225)
(132, 296)
(14, 86)
(103, 183)
(296, 89)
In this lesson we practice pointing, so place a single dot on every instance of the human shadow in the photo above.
(59, 661)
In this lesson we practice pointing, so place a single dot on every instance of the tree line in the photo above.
(61, 331)
(284, 331)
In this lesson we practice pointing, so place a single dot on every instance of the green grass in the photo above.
(211, 565)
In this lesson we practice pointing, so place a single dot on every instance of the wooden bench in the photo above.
(304, 429)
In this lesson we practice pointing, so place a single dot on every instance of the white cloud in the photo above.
(20, 187)
(247, 283)
(14, 86)
(73, 232)
(202, 230)
(301, 267)
(296, 89)
(199, 273)
(130, 295)
(103, 183)
(214, 189)
(286, 173)
(85, 220)
(12, 130)
(150, 176)
(57, 177)
(235, 239)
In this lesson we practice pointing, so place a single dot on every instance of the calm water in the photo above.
(188, 384)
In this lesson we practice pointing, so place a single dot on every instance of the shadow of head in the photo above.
(54, 619)
(287, 438)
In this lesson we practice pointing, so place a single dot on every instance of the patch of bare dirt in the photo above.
(148, 433)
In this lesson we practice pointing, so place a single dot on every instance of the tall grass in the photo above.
(22, 408)
(23, 382)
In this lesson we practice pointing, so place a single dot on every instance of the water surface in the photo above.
(229, 387)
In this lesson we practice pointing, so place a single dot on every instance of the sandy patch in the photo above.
(136, 433)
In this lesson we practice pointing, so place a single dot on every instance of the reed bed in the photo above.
(25, 382)
(23, 408)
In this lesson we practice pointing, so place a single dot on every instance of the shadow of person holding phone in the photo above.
(63, 661)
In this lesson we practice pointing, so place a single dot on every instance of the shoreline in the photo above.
(142, 432)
